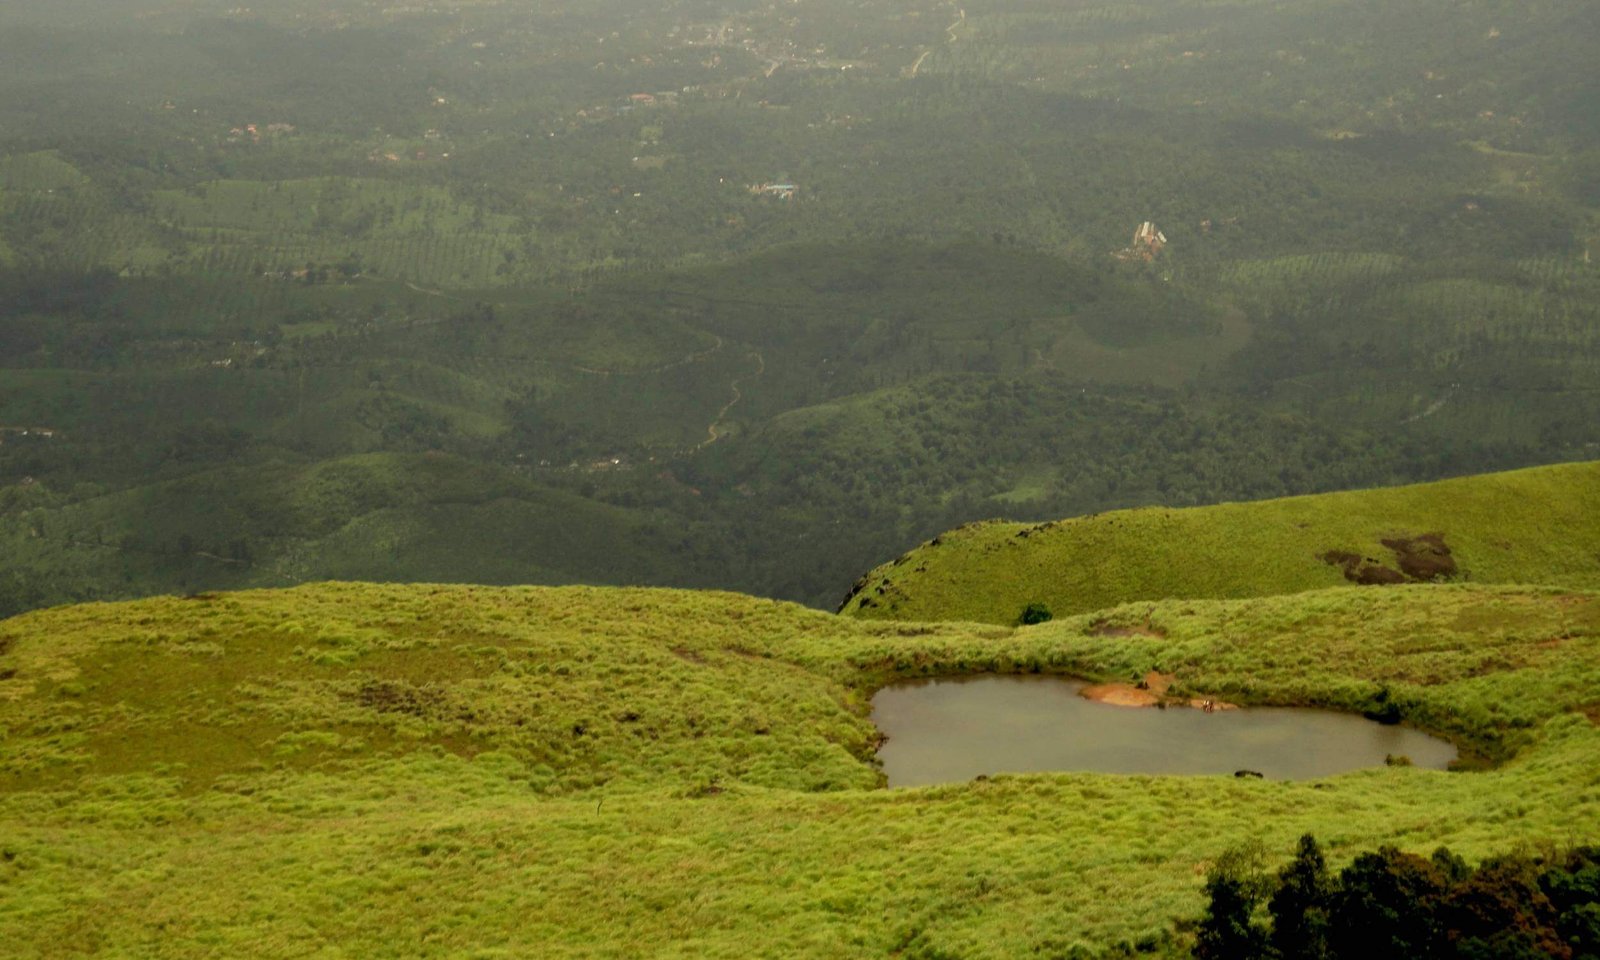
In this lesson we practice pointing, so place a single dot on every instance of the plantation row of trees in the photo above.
(1393, 905)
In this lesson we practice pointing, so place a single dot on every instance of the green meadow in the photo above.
(1527, 526)
(362, 770)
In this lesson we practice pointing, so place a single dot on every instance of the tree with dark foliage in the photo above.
(1391, 904)
(1385, 907)
(1229, 931)
(1499, 911)
(1573, 887)
(1299, 907)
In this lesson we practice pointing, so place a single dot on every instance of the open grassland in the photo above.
(430, 771)
(1527, 526)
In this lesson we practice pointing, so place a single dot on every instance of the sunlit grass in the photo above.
(1526, 526)
(399, 770)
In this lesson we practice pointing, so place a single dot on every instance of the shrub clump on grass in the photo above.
(1035, 613)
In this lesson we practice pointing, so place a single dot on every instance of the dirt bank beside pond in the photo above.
(1150, 692)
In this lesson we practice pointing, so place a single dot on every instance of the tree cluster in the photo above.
(1391, 904)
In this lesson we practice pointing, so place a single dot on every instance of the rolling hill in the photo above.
(1527, 526)
(378, 516)
(390, 771)
(313, 312)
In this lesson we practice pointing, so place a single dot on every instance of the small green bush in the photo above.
(1035, 613)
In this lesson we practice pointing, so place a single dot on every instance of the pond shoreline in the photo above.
(944, 730)
(1150, 692)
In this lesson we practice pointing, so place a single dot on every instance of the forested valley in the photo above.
(718, 293)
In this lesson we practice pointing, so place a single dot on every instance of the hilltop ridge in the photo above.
(1540, 525)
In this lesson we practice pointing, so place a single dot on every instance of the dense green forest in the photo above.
(503, 293)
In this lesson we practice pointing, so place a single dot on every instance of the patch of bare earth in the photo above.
(387, 696)
(1421, 559)
(1152, 691)
(1120, 695)
(1366, 571)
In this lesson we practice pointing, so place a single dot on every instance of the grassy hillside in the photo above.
(431, 771)
(1528, 526)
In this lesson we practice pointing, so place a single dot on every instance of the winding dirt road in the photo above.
(713, 434)
(950, 32)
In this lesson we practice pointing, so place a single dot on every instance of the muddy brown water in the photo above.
(951, 730)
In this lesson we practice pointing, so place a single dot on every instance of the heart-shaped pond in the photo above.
(950, 730)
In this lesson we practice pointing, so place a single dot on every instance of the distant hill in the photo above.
(378, 516)
(503, 244)
(1540, 525)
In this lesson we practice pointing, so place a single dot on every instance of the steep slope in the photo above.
(1527, 526)
(430, 771)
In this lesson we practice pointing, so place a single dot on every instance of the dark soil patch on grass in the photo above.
(1423, 558)
(1420, 559)
(1366, 571)
(386, 696)
(687, 655)
(863, 589)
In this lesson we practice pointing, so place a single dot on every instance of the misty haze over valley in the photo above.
(847, 304)
(757, 295)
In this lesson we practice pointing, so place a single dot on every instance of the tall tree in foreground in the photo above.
(1299, 907)
(1387, 907)
(1235, 886)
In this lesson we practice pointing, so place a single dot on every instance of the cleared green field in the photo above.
(419, 233)
(354, 770)
(1528, 526)
(240, 229)
(41, 172)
